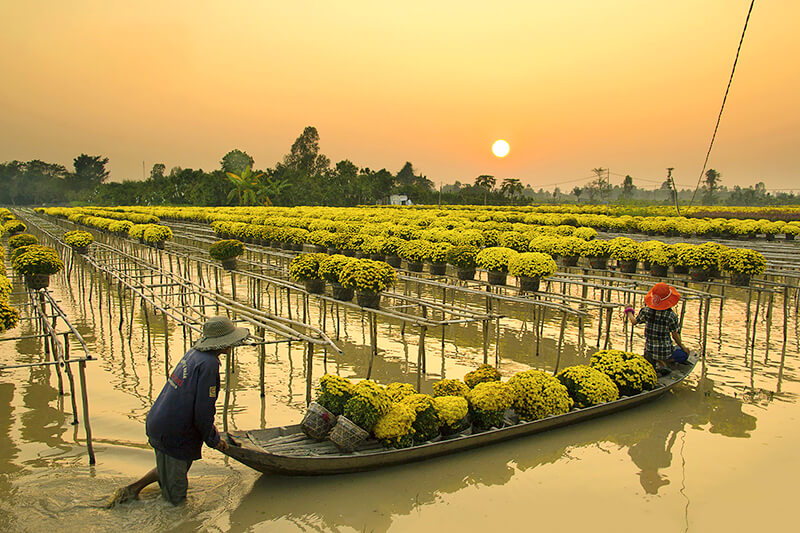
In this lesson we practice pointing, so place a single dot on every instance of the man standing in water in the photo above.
(182, 417)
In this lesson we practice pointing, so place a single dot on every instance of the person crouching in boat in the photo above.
(182, 417)
(662, 326)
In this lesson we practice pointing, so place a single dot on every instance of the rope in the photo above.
(724, 99)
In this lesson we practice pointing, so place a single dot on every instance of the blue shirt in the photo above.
(182, 417)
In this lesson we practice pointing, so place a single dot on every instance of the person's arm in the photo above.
(676, 336)
(634, 319)
(205, 406)
(675, 331)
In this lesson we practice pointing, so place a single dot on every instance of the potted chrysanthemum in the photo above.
(330, 269)
(530, 267)
(369, 279)
(495, 261)
(226, 251)
(305, 268)
(463, 258)
(79, 240)
(37, 264)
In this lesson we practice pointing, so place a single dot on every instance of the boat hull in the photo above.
(246, 450)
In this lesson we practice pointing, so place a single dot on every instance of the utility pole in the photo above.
(674, 189)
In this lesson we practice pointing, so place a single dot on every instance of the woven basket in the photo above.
(347, 435)
(318, 421)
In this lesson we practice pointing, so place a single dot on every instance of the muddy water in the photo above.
(717, 454)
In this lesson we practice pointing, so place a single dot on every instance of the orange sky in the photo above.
(631, 85)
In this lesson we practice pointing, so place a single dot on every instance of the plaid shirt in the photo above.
(658, 326)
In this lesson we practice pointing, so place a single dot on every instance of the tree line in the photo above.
(305, 176)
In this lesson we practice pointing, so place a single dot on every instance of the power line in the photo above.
(724, 99)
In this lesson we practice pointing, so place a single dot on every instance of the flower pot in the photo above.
(347, 435)
(714, 272)
(657, 270)
(465, 274)
(287, 246)
(141, 240)
(160, 245)
(318, 249)
(394, 261)
(297, 247)
(37, 281)
(82, 250)
(529, 284)
(414, 266)
(360, 255)
(740, 279)
(788, 236)
(770, 236)
(438, 269)
(341, 293)
(569, 261)
(368, 299)
(629, 266)
(318, 421)
(496, 277)
(377, 257)
(349, 253)
(315, 286)
(333, 251)
(680, 269)
(646, 265)
(699, 274)
(598, 263)
(229, 264)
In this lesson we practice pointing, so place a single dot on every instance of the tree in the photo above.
(236, 161)
(246, 186)
(628, 187)
(577, 191)
(511, 187)
(90, 171)
(157, 172)
(598, 187)
(712, 185)
(487, 183)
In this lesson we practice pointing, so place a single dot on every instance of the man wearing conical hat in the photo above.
(182, 417)
(662, 326)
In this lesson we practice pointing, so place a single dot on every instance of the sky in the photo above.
(633, 86)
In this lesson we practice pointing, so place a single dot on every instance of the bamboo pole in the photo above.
(785, 335)
(423, 330)
(227, 391)
(166, 347)
(309, 370)
(770, 305)
(71, 381)
(85, 401)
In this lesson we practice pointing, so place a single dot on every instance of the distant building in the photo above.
(399, 199)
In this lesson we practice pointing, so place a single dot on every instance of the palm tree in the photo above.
(511, 187)
(487, 183)
(246, 186)
(712, 184)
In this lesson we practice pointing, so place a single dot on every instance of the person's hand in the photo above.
(221, 445)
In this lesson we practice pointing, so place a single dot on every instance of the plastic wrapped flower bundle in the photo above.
(482, 374)
(588, 386)
(333, 393)
(426, 423)
(631, 372)
(452, 413)
(368, 403)
(450, 387)
(394, 429)
(538, 395)
(398, 391)
(488, 402)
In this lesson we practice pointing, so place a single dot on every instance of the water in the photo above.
(718, 453)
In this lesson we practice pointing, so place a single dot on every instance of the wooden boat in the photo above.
(286, 450)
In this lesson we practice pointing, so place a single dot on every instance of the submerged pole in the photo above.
(85, 400)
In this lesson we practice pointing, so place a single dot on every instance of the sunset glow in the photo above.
(590, 84)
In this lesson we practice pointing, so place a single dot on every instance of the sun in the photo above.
(500, 148)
